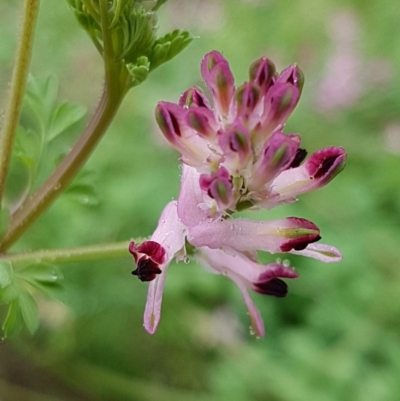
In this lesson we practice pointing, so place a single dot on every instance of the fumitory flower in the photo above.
(235, 156)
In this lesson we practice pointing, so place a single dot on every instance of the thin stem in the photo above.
(70, 255)
(18, 83)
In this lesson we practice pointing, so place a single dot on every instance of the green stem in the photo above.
(108, 50)
(116, 86)
(18, 83)
(69, 255)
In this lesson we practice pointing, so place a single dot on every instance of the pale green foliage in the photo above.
(48, 128)
(15, 290)
(336, 336)
(133, 31)
(168, 46)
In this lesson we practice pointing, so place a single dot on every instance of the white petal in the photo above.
(323, 252)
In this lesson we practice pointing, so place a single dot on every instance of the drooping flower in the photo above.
(153, 257)
(248, 275)
(235, 156)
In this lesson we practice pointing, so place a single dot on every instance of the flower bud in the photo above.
(194, 97)
(276, 157)
(247, 97)
(218, 77)
(218, 186)
(261, 73)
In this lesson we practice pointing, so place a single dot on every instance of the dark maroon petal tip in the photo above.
(147, 270)
(275, 287)
(153, 250)
(326, 163)
(275, 270)
(298, 159)
(325, 166)
(298, 244)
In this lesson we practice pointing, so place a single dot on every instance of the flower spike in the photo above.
(235, 156)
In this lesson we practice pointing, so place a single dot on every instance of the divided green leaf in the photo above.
(42, 272)
(168, 46)
(65, 116)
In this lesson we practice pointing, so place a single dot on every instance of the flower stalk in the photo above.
(69, 255)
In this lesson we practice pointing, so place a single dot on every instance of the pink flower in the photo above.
(236, 157)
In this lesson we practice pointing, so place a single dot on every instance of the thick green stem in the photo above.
(18, 83)
(35, 205)
(58, 256)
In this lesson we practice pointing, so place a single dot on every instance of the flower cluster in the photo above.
(235, 156)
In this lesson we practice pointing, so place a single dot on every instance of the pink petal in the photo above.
(239, 269)
(152, 312)
(170, 233)
(257, 324)
(246, 235)
(190, 198)
(171, 119)
(318, 170)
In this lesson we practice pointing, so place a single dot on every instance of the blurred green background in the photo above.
(337, 334)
